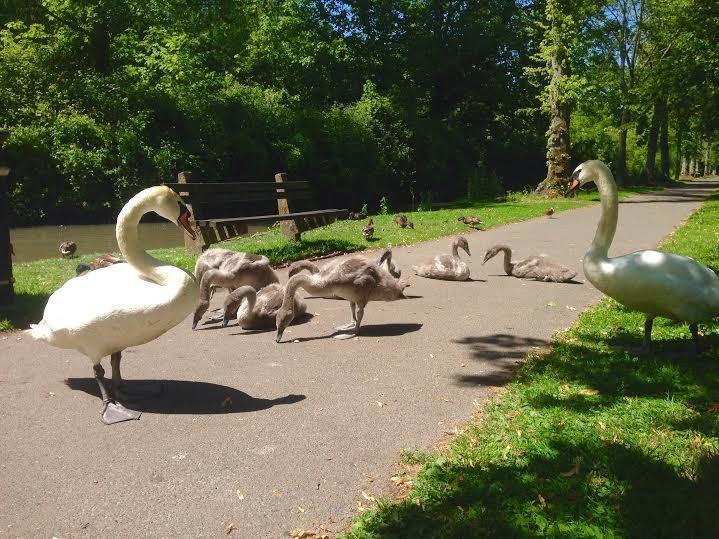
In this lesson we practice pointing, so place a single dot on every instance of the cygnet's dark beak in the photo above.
(278, 337)
(195, 320)
(226, 320)
(467, 251)
(486, 257)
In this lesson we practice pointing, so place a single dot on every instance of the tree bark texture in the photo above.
(650, 166)
(559, 107)
(664, 145)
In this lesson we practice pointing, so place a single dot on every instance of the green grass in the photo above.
(587, 440)
(35, 281)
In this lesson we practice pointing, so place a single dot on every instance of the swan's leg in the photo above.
(358, 318)
(646, 347)
(136, 391)
(112, 412)
(352, 325)
(698, 348)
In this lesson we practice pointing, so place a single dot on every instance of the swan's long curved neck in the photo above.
(128, 241)
(300, 280)
(608, 221)
(455, 248)
(244, 293)
(508, 266)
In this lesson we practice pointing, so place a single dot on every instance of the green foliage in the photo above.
(587, 441)
(384, 206)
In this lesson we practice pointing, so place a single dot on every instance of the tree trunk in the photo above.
(650, 168)
(622, 150)
(707, 158)
(680, 161)
(559, 106)
(664, 145)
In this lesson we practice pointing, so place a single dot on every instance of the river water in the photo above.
(38, 242)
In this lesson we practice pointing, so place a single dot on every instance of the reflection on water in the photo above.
(38, 242)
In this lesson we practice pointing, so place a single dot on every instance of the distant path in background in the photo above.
(280, 436)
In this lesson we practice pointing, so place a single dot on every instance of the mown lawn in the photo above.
(35, 281)
(586, 441)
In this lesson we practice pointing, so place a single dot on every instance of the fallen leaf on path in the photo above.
(552, 304)
(571, 308)
(299, 533)
(443, 398)
(240, 495)
(380, 404)
(300, 509)
(370, 479)
(231, 526)
(367, 496)
(296, 340)
(542, 501)
(463, 365)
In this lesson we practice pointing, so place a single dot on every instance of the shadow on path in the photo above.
(189, 397)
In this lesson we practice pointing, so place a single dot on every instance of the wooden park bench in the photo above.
(223, 210)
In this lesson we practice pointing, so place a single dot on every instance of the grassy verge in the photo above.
(35, 281)
(587, 440)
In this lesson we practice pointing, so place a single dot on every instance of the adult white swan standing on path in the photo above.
(107, 310)
(651, 282)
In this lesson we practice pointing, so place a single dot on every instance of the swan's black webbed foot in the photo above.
(114, 412)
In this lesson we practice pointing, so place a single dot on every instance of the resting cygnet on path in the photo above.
(258, 310)
(539, 268)
(229, 269)
(447, 267)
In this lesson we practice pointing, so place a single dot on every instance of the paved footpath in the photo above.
(279, 436)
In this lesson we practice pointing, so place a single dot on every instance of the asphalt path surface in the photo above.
(274, 436)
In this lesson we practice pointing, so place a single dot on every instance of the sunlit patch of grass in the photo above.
(588, 440)
(35, 281)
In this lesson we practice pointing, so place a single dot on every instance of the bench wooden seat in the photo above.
(223, 210)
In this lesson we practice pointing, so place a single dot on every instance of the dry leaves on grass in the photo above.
(574, 470)
(714, 407)
(542, 501)
(368, 496)
(588, 392)
(230, 527)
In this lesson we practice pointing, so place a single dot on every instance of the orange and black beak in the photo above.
(184, 220)
(575, 182)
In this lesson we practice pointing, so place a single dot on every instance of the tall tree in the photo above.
(555, 52)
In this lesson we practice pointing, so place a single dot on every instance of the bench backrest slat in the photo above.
(220, 188)
(225, 198)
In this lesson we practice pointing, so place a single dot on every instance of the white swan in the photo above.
(107, 310)
(651, 282)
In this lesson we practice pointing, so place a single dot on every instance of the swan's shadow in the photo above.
(190, 397)
(373, 330)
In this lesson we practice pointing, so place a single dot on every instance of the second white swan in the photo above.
(651, 282)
